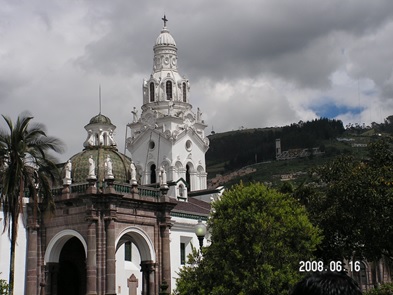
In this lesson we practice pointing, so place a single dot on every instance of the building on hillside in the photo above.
(124, 225)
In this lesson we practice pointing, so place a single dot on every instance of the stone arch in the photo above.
(190, 176)
(201, 177)
(200, 169)
(179, 171)
(178, 165)
(52, 253)
(140, 239)
(151, 172)
(166, 164)
(169, 93)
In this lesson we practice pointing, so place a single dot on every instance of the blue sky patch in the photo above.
(331, 110)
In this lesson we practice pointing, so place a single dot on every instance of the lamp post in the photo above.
(200, 231)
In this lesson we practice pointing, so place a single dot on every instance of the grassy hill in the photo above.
(250, 155)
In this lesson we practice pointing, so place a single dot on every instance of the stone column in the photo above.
(194, 181)
(110, 258)
(52, 270)
(32, 265)
(165, 254)
(91, 263)
(147, 268)
(172, 173)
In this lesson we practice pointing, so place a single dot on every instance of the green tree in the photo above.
(27, 168)
(258, 237)
(3, 287)
(354, 208)
(384, 289)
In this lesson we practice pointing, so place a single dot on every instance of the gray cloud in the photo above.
(250, 63)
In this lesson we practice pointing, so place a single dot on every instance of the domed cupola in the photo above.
(100, 132)
(165, 38)
(100, 150)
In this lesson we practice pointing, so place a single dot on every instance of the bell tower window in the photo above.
(151, 92)
(184, 92)
(188, 177)
(168, 90)
(153, 177)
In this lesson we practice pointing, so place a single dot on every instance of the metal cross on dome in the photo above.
(165, 20)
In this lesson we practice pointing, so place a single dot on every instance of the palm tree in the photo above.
(26, 169)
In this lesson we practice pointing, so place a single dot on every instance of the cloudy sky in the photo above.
(250, 63)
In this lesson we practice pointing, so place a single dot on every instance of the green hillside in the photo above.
(250, 155)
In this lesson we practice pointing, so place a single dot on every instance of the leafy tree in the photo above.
(26, 169)
(354, 209)
(258, 237)
(3, 287)
(385, 289)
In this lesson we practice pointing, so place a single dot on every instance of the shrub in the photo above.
(385, 289)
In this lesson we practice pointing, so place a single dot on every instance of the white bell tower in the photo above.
(168, 134)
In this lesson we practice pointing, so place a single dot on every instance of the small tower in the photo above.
(168, 134)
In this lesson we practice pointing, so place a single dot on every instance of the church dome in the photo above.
(80, 165)
(99, 145)
(165, 38)
(100, 119)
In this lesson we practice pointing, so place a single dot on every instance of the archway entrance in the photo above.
(135, 262)
(71, 277)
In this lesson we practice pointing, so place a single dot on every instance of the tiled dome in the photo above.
(100, 119)
(80, 165)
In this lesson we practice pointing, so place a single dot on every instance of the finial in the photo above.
(99, 96)
(165, 20)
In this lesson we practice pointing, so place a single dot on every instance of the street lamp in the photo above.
(200, 231)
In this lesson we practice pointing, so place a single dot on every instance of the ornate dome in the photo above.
(80, 165)
(165, 38)
(99, 144)
(100, 119)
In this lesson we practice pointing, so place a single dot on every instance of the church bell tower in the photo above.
(168, 135)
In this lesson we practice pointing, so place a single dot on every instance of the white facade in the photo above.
(168, 134)
(182, 232)
(20, 255)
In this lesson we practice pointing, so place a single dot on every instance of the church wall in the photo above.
(125, 269)
(165, 152)
(182, 231)
(20, 255)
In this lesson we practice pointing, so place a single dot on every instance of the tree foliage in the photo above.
(3, 287)
(258, 237)
(354, 208)
(384, 289)
(26, 169)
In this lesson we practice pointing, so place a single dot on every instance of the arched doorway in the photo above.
(71, 277)
(65, 260)
(135, 260)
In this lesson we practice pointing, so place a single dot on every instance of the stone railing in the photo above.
(120, 188)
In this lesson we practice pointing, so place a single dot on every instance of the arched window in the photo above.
(184, 92)
(188, 177)
(181, 191)
(151, 92)
(153, 176)
(168, 90)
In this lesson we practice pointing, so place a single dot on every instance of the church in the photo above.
(123, 225)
